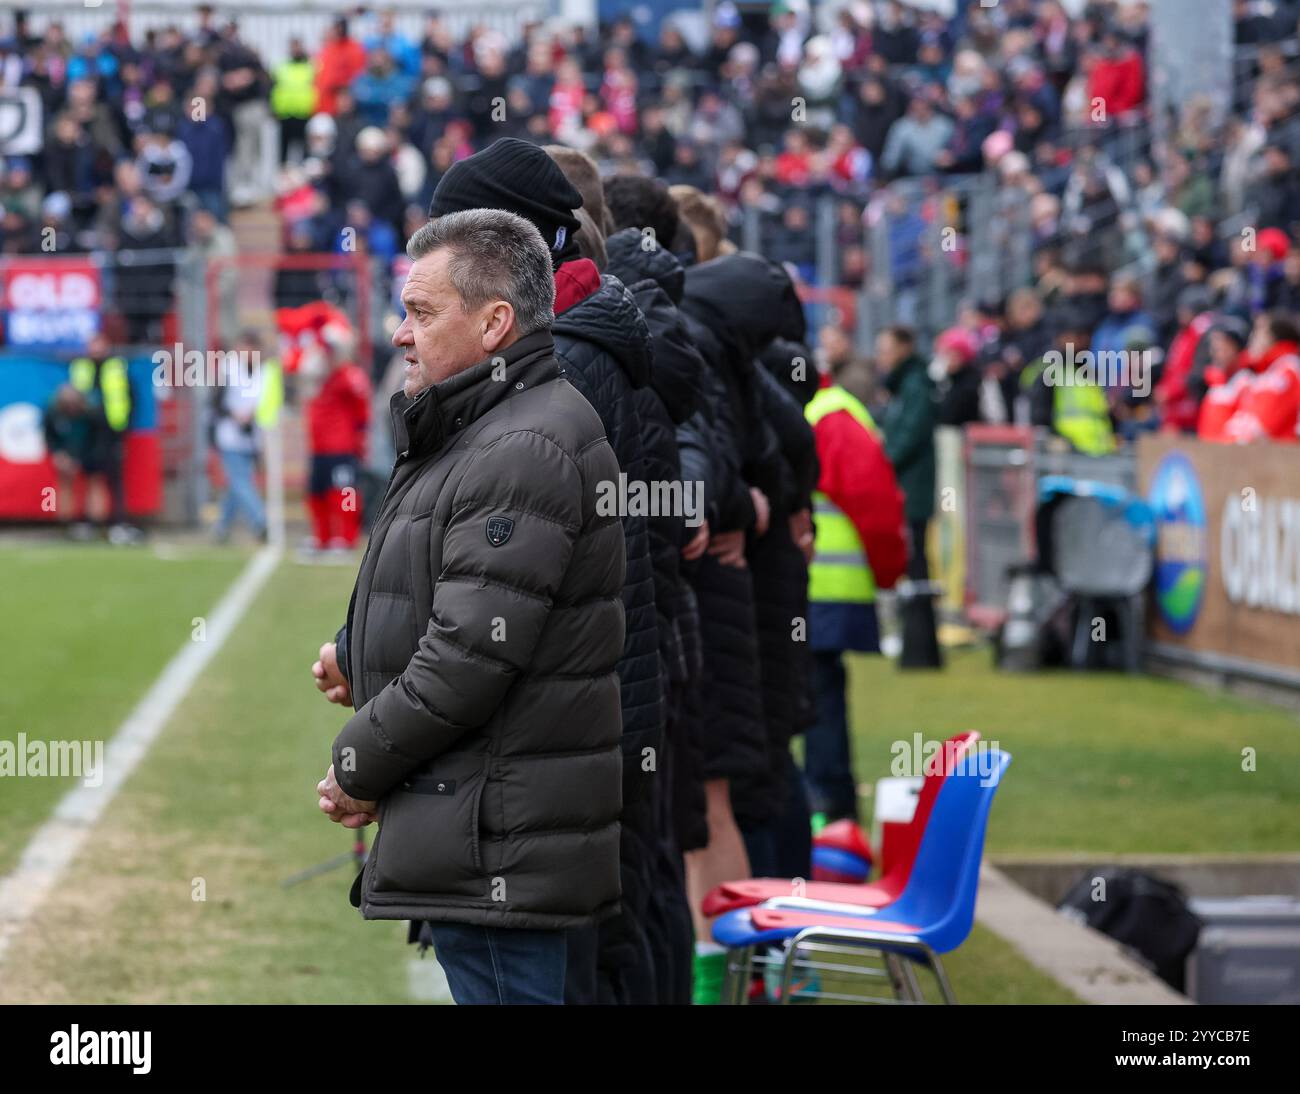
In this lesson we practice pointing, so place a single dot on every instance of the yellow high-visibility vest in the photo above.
(1080, 415)
(114, 387)
(294, 92)
(840, 572)
(271, 396)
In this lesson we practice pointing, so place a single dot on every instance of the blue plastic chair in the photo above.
(933, 914)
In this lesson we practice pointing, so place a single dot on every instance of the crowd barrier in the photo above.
(271, 24)
(1000, 470)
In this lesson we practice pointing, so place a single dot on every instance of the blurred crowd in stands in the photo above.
(1174, 246)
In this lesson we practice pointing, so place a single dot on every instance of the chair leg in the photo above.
(942, 977)
(787, 970)
(897, 980)
(736, 972)
(744, 974)
(916, 995)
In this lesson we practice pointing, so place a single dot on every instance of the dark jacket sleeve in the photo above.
(798, 445)
(911, 426)
(341, 652)
(697, 463)
(490, 605)
(735, 508)
(1041, 401)
(960, 402)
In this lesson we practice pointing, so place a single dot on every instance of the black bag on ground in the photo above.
(1143, 913)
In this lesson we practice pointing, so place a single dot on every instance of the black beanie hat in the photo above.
(520, 178)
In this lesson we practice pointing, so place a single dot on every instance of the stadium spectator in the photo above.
(144, 283)
(860, 547)
(1261, 400)
(908, 420)
(215, 241)
(1065, 395)
(242, 98)
(102, 380)
(236, 435)
(340, 61)
(917, 140)
(206, 136)
(338, 415)
(75, 430)
(382, 85)
(293, 99)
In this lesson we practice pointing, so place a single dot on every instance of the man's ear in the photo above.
(499, 326)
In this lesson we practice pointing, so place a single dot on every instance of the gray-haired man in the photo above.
(484, 630)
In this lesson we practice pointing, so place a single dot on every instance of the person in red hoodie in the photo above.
(338, 416)
(859, 547)
(1260, 401)
(1117, 79)
(340, 61)
(1178, 401)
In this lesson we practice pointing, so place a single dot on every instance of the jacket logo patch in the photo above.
(499, 529)
(430, 784)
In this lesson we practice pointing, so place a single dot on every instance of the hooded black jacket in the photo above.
(781, 573)
(655, 279)
(604, 349)
(742, 302)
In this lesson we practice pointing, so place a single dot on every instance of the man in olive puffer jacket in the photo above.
(485, 629)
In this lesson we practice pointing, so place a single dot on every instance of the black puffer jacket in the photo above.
(655, 279)
(603, 347)
(739, 303)
(781, 579)
(722, 713)
(485, 626)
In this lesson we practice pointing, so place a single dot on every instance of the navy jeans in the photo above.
(500, 965)
(828, 762)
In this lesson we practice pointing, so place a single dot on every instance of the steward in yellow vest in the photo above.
(105, 381)
(1066, 400)
(858, 517)
(859, 544)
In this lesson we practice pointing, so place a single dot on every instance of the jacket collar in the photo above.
(423, 424)
(894, 379)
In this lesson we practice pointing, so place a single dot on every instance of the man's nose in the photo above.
(401, 335)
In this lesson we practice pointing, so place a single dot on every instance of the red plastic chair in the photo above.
(873, 894)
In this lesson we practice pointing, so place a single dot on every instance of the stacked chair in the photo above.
(922, 906)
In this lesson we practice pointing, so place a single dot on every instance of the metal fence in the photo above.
(271, 24)
(177, 301)
(1003, 467)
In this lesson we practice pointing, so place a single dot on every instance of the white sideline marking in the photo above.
(426, 982)
(55, 844)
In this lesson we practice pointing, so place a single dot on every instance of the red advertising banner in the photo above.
(50, 303)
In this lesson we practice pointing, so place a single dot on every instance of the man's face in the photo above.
(439, 337)
(887, 351)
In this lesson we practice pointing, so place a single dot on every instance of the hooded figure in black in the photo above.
(786, 380)
(739, 303)
(656, 280)
(604, 349)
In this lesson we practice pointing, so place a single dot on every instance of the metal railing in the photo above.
(268, 25)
